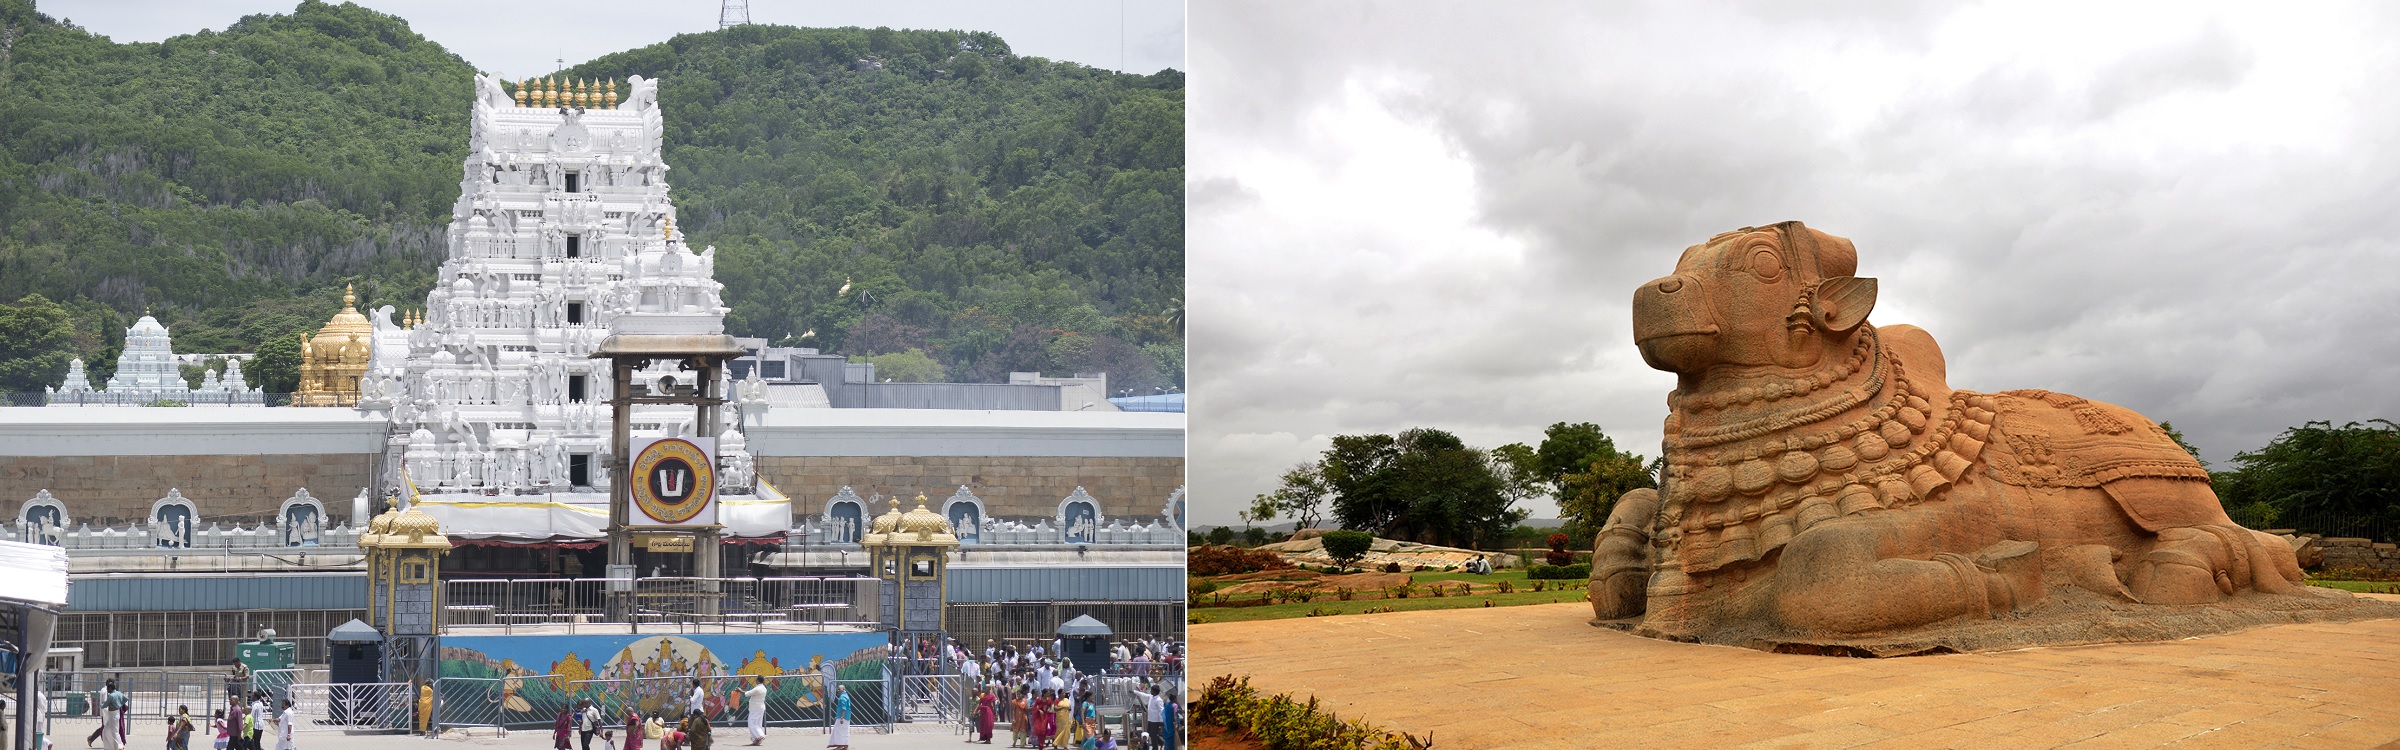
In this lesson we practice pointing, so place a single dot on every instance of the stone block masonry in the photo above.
(115, 490)
(1128, 487)
(2355, 553)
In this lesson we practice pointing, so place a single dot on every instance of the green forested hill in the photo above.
(991, 211)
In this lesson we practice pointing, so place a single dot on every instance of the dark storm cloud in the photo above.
(2183, 210)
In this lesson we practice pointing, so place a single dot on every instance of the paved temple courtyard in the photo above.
(778, 738)
(1540, 677)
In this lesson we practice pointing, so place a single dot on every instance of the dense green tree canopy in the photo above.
(2341, 481)
(1422, 485)
(35, 343)
(1581, 468)
(994, 211)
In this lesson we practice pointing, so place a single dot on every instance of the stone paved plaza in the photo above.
(1540, 677)
(70, 733)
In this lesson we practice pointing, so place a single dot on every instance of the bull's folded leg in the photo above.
(1830, 581)
(1621, 557)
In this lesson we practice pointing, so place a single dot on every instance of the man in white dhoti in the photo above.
(837, 737)
(756, 696)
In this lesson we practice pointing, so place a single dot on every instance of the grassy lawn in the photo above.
(1417, 602)
(2360, 587)
(1559, 591)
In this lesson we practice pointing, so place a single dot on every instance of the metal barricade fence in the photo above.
(320, 707)
(153, 695)
(935, 698)
(791, 700)
(866, 703)
(534, 702)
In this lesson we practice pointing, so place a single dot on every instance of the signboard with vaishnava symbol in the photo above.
(674, 481)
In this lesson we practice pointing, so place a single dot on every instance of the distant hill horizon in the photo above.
(925, 198)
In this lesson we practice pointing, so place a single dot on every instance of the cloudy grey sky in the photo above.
(1435, 214)
(527, 38)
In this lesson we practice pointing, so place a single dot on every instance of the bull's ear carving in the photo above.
(1843, 302)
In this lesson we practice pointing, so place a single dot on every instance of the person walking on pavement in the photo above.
(283, 727)
(756, 697)
(587, 721)
(838, 736)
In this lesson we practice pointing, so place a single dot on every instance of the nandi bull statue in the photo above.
(1827, 492)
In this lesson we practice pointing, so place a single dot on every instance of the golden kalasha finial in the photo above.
(611, 101)
(520, 92)
(349, 298)
(583, 94)
(550, 93)
(667, 232)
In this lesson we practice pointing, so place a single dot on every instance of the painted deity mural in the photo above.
(525, 679)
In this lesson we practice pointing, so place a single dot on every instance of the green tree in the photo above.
(2177, 436)
(1586, 473)
(2341, 481)
(1221, 535)
(910, 366)
(36, 341)
(276, 369)
(1254, 536)
(1346, 546)
(1300, 498)
(1423, 485)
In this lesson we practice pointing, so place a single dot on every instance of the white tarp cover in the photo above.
(35, 573)
(583, 516)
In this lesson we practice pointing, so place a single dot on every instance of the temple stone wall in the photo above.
(1011, 486)
(2354, 553)
(118, 489)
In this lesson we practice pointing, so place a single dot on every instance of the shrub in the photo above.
(1376, 610)
(1558, 554)
(1343, 592)
(1391, 567)
(1505, 587)
(1346, 547)
(1539, 585)
(1560, 572)
(1278, 721)
(1323, 612)
(1302, 596)
(1219, 560)
(1201, 586)
(1434, 589)
(1400, 592)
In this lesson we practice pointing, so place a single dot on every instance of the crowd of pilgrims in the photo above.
(1045, 702)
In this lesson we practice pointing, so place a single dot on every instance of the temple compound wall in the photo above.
(108, 465)
(1020, 463)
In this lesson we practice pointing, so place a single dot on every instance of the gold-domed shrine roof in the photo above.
(883, 525)
(410, 529)
(920, 527)
(346, 322)
(926, 525)
(377, 528)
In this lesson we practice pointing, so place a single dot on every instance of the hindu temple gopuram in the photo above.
(484, 415)
(1827, 491)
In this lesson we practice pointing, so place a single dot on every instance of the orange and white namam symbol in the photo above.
(673, 481)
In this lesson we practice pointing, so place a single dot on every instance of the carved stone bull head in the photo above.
(1780, 296)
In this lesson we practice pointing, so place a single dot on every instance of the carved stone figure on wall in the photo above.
(1826, 491)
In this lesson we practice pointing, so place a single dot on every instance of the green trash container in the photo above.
(77, 704)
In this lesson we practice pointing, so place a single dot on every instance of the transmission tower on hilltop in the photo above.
(735, 13)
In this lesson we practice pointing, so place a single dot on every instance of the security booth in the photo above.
(355, 658)
(33, 588)
(1086, 642)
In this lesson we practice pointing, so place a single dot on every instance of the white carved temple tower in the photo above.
(562, 224)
